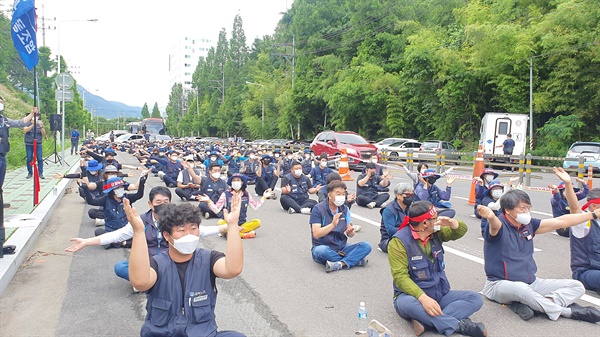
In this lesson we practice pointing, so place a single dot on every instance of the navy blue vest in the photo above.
(585, 251)
(306, 165)
(234, 165)
(429, 276)
(286, 166)
(244, 207)
(29, 135)
(509, 255)
(370, 187)
(213, 189)
(336, 239)
(172, 169)
(299, 187)
(4, 144)
(114, 214)
(320, 177)
(268, 173)
(156, 243)
(173, 311)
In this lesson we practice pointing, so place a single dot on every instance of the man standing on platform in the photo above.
(74, 140)
(29, 138)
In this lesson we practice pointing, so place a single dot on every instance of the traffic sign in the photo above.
(64, 80)
(58, 95)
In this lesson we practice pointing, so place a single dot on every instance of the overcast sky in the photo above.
(124, 56)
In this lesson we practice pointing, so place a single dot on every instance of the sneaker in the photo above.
(468, 328)
(206, 215)
(291, 211)
(418, 328)
(523, 310)
(42, 177)
(586, 314)
(371, 204)
(274, 196)
(305, 210)
(357, 228)
(332, 266)
(99, 222)
(362, 262)
(29, 176)
(249, 235)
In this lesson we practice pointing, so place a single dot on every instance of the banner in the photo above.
(23, 27)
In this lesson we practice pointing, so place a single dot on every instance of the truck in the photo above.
(154, 126)
(494, 128)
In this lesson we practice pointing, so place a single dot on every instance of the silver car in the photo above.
(428, 149)
(397, 151)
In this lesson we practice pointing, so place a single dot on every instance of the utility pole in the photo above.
(289, 55)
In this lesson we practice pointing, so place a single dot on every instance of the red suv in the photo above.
(331, 143)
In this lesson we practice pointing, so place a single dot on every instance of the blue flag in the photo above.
(23, 27)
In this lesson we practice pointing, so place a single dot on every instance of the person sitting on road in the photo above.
(427, 190)
(250, 167)
(510, 267)
(211, 188)
(307, 162)
(369, 185)
(322, 193)
(421, 289)
(187, 189)
(319, 174)
(238, 186)
(481, 188)
(172, 167)
(392, 216)
(559, 203)
(234, 162)
(284, 166)
(159, 196)
(295, 188)
(112, 202)
(213, 157)
(331, 226)
(585, 259)
(267, 177)
(491, 201)
(180, 283)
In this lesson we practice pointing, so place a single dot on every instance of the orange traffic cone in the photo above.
(344, 168)
(478, 168)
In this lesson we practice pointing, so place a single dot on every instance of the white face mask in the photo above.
(192, 165)
(216, 175)
(1, 106)
(496, 194)
(93, 172)
(276, 155)
(252, 156)
(289, 157)
(186, 245)
(488, 178)
(523, 218)
(108, 176)
(423, 170)
(339, 200)
(174, 158)
(236, 185)
(297, 173)
(323, 163)
(437, 228)
(119, 192)
(374, 161)
(213, 158)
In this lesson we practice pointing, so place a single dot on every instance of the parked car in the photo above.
(331, 143)
(398, 150)
(428, 149)
(278, 142)
(129, 138)
(106, 137)
(384, 143)
(163, 138)
(589, 150)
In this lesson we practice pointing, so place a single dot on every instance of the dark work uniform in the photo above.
(298, 198)
(267, 179)
(213, 190)
(369, 192)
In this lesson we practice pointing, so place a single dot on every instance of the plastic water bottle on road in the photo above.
(362, 319)
(54, 191)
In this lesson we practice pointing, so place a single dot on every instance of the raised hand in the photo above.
(485, 212)
(232, 217)
(78, 244)
(132, 216)
(562, 174)
(449, 181)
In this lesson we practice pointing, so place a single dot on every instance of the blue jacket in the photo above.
(156, 243)
(585, 251)
(433, 194)
(560, 205)
(319, 175)
(336, 239)
(392, 217)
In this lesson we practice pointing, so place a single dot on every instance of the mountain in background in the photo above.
(108, 109)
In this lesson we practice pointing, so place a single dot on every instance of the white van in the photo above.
(494, 128)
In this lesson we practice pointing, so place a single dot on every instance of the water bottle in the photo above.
(362, 319)
(54, 191)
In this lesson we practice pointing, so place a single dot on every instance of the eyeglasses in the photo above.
(408, 195)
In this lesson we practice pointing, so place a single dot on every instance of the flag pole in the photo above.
(36, 177)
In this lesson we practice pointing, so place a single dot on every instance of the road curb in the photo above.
(29, 230)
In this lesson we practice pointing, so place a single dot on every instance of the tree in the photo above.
(145, 111)
(155, 111)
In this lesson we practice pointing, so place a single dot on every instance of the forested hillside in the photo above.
(418, 68)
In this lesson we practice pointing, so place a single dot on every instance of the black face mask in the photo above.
(159, 208)
(431, 180)
(109, 161)
(407, 201)
(266, 161)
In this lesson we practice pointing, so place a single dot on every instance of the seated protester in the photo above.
(331, 226)
(180, 283)
(322, 193)
(307, 162)
(250, 167)
(153, 163)
(319, 174)
(378, 168)
(421, 289)
(187, 189)
(97, 187)
(211, 189)
(238, 186)
(213, 157)
(585, 259)
(109, 159)
(90, 173)
(267, 176)
(392, 216)
(481, 189)
(295, 188)
(112, 202)
(421, 167)
(492, 201)
(284, 166)
(160, 196)
(427, 191)
(234, 162)
(172, 167)
(367, 189)
(559, 203)
(510, 267)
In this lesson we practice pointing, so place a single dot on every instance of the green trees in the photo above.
(145, 112)
(155, 111)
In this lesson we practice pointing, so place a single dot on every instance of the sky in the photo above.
(124, 56)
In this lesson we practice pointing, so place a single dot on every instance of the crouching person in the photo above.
(421, 288)
(331, 225)
(181, 282)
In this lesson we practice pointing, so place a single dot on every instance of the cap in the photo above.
(241, 176)
(488, 171)
(429, 173)
(112, 183)
(111, 168)
(93, 165)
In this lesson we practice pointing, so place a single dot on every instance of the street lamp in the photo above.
(58, 111)
(262, 130)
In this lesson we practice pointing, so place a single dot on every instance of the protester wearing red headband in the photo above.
(510, 267)
(421, 289)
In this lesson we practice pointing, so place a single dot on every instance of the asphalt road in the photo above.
(281, 291)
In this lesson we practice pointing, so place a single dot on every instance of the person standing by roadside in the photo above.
(74, 140)
(29, 139)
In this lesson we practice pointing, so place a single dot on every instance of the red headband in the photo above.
(587, 204)
(425, 216)
(114, 184)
